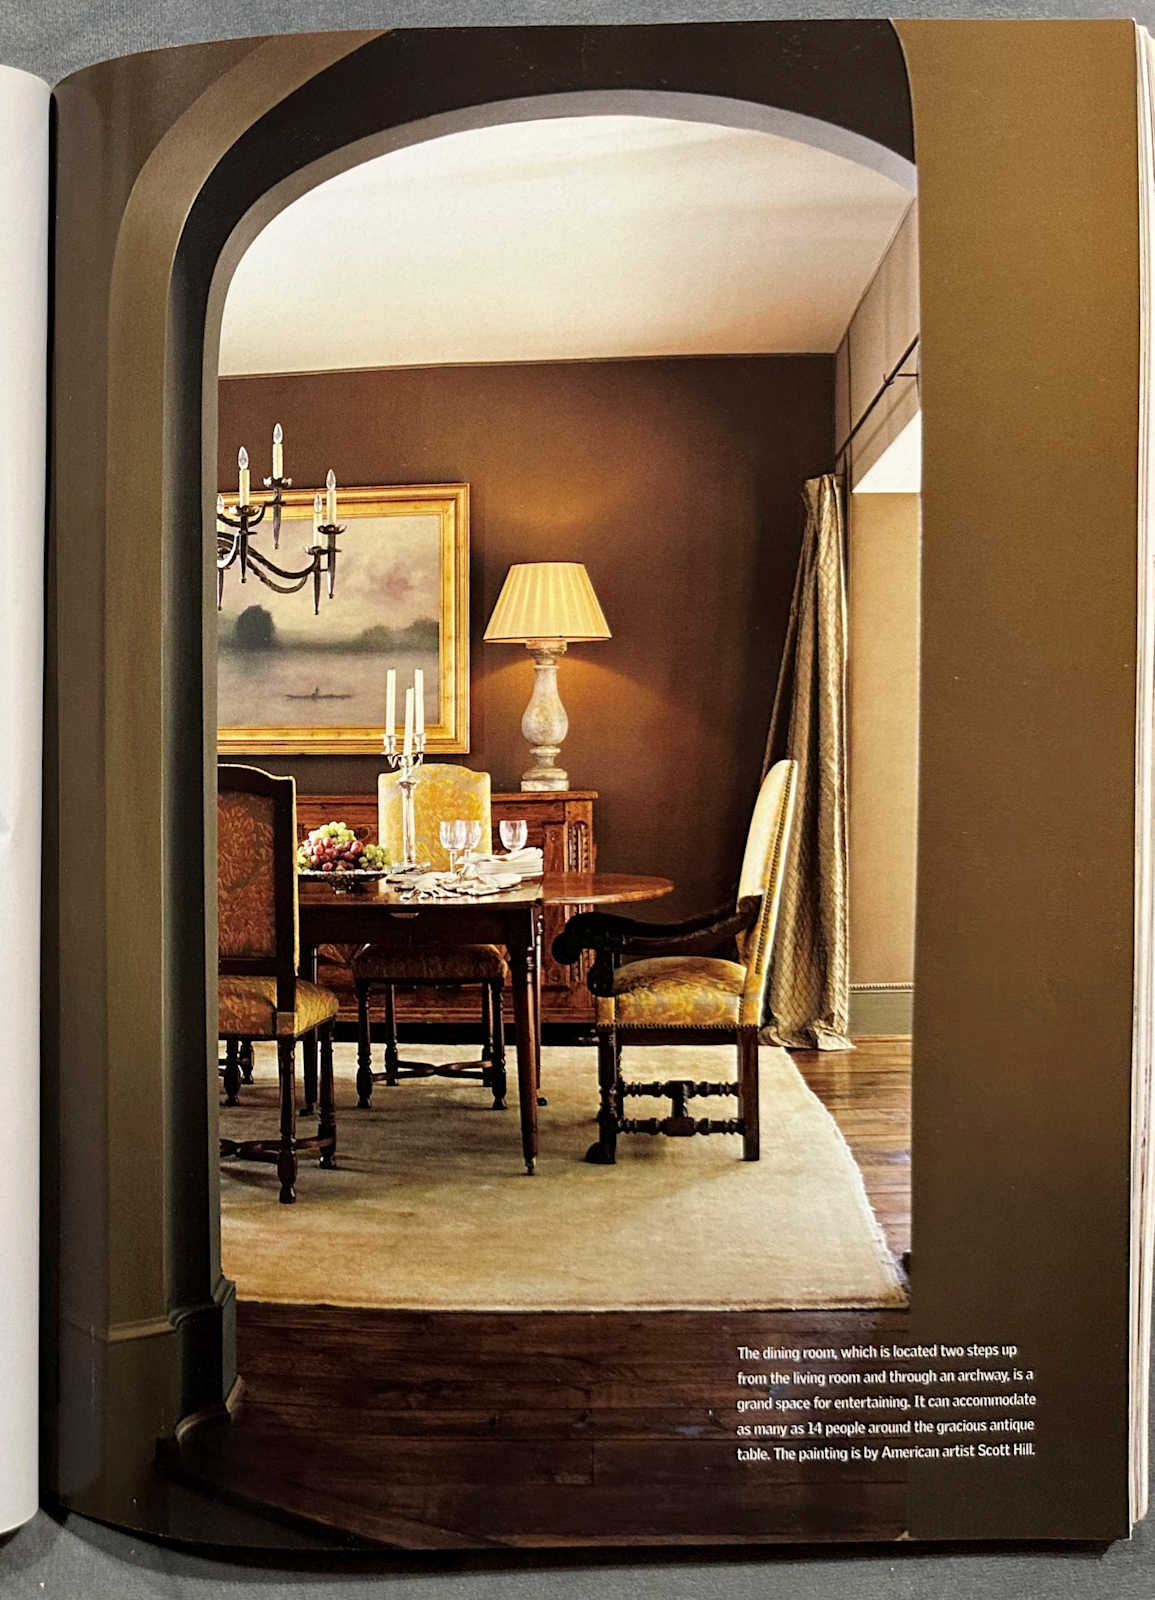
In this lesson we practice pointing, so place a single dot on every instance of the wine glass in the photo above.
(513, 835)
(454, 837)
(472, 837)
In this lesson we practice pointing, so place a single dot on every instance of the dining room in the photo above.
(654, 453)
(553, 399)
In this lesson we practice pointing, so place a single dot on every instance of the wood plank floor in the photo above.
(867, 1092)
(443, 1431)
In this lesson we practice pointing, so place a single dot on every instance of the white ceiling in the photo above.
(576, 238)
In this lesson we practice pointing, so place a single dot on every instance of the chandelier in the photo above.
(236, 526)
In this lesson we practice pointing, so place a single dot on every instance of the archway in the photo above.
(236, 155)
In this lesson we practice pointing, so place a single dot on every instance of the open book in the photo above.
(797, 376)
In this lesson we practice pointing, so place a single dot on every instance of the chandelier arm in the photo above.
(257, 559)
(254, 515)
(281, 588)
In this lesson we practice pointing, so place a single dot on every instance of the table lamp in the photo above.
(546, 605)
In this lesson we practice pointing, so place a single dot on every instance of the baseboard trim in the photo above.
(881, 1009)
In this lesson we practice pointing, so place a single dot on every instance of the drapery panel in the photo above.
(809, 992)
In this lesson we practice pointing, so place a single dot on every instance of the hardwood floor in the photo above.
(461, 1430)
(867, 1092)
(422, 1431)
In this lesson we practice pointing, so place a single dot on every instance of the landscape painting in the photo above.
(292, 681)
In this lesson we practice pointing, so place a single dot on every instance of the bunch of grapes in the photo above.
(335, 848)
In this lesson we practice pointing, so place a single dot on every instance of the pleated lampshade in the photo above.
(546, 600)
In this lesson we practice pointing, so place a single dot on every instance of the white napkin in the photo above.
(527, 863)
(445, 886)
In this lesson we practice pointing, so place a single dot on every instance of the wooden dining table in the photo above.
(382, 913)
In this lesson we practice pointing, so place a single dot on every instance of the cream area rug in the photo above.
(430, 1207)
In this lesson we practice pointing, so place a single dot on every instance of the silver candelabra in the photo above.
(406, 762)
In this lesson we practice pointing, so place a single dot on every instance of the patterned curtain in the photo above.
(809, 991)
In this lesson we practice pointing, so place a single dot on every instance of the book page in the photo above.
(24, 103)
(710, 1324)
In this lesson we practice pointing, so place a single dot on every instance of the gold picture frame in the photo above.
(423, 568)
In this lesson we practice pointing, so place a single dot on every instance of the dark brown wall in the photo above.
(677, 482)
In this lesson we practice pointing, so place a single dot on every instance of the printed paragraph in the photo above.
(885, 1402)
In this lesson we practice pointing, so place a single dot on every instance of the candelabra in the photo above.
(406, 762)
(235, 531)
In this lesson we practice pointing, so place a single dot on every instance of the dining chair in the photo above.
(260, 995)
(664, 983)
(443, 792)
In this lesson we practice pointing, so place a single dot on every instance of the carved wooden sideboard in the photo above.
(561, 822)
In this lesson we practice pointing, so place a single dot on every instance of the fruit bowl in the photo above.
(333, 852)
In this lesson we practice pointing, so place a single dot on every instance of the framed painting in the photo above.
(294, 683)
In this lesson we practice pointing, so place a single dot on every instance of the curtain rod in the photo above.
(894, 374)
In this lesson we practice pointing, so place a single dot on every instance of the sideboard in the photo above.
(561, 822)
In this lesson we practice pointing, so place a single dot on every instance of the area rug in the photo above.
(430, 1207)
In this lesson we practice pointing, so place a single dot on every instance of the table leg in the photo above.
(523, 962)
(541, 1099)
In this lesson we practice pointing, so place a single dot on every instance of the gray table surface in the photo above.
(81, 1560)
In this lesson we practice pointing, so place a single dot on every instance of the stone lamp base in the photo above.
(545, 723)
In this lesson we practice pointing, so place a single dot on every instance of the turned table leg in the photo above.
(541, 1099)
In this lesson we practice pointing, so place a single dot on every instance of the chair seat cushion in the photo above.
(675, 992)
(434, 963)
(247, 1007)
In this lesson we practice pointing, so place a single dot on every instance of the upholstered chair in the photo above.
(259, 993)
(443, 792)
(658, 983)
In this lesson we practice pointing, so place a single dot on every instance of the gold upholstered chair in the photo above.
(674, 989)
(443, 792)
(259, 993)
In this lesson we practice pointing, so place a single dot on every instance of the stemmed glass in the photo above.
(472, 839)
(454, 838)
(459, 837)
(513, 835)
